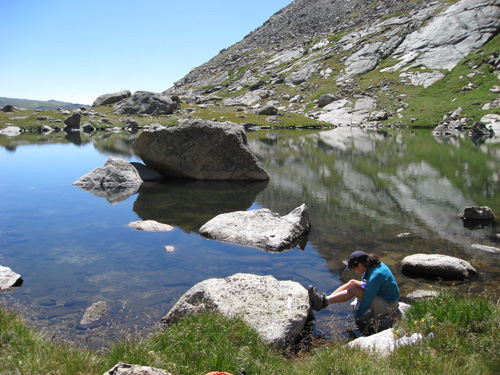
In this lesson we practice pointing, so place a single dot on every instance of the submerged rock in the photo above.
(94, 312)
(260, 228)
(151, 226)
(278, 310)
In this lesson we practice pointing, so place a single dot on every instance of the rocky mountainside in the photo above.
(352, 62)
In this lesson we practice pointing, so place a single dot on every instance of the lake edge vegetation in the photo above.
(465, 331)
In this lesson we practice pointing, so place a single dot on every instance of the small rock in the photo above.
(9, 279)
(11, 131)
(267, 110)
(490, 249)
(94, 312)
(151, 226)
(126, 369)
(422, 294)
(477, 213)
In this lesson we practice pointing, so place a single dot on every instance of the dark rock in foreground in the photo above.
(201, 150)
(260, 228)
(278, 310)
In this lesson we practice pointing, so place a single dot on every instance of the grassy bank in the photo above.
(466, 330)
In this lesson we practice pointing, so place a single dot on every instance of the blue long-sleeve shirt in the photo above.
(379, 282)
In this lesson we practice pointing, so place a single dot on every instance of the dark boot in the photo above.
(318, 301)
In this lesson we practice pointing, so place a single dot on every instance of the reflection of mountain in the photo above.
(189, 204)
(363, 187)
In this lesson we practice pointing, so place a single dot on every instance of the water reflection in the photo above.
(188, 204)
(363, 188)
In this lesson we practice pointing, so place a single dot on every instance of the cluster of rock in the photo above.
(141, 102)
(416, 35)
(479, 130)
(200, 150)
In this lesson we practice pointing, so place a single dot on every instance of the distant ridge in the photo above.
(43, 105)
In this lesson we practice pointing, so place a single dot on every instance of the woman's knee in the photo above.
(354, 283)
(357, 291)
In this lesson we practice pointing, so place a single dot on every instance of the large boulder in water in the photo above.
(278, 310)
(437, 266)
(200, 150)
(116, 180)
(145, 102)
(260, 228)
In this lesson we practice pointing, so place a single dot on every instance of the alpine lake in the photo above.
(393, 192)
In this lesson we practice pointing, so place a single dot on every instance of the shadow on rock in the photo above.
(188, 204)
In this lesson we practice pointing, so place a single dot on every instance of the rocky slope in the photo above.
(355, 62)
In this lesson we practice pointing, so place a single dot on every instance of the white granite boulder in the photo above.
(278, 310)
(260, 228)
(9, 279)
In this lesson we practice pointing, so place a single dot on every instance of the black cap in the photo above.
(354, 259)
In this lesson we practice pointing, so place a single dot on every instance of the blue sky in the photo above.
(76, 50)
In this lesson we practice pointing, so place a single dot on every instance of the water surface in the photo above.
(392, 192)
